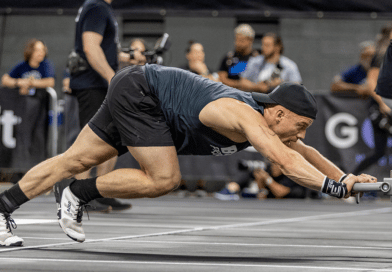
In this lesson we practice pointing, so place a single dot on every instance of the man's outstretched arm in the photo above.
(229, 115)
(324, 165)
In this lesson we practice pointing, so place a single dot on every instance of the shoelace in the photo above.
(9, 222)
(80, 208)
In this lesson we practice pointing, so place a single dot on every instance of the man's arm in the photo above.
(372, 77)
(230, 118)
(324, 165)
(249, 86)
(95, 55)
(224, 78)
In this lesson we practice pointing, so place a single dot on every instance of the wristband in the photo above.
(343, 177)
(268, 181)
(333, 188)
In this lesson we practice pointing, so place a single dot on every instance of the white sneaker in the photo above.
(6, 236)
(69, 211)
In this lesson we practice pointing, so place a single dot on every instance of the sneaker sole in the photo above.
(15, 244)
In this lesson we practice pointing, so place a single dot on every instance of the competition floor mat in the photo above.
(205, 234)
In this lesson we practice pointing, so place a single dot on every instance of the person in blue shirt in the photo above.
(353, 80)
(157, 113)
(36, 71)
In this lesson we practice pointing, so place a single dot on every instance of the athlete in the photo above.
(157, 113)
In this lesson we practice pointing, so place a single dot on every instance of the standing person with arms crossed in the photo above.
(157, 113)
(97, 44)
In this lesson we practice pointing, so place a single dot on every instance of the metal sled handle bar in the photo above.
(378, 186)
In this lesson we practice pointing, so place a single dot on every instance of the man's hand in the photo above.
(260, 174)
(350, 180)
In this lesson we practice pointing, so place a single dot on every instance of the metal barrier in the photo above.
(53, 127)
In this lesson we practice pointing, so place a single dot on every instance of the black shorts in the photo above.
(89, 101)
(130, 114)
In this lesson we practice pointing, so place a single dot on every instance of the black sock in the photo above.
(11, 199)
(85, 189)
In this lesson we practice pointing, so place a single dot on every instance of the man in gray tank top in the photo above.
(156, 113)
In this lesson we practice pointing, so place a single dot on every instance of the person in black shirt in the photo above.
(235, 61)
(97, 42)
(384, 81)
(377, 108)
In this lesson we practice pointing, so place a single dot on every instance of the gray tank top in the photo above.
(183, 95)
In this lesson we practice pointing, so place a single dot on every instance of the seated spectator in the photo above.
(195, 56)
(265, 72)
(262, 183)
(136, 44)
(353, 80)
(34, 72)
(273, 184)
(235, 62)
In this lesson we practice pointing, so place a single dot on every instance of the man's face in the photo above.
(292, 127)
(196, 53)
(242, 43)
(268, 47)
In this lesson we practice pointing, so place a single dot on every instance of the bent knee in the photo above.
(165, 185)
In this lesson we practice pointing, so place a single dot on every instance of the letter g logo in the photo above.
(348, 133)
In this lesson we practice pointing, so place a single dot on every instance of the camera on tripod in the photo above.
(251, 165)
(384, 121)
(154, 56)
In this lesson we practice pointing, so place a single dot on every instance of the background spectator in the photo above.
(136, 44)
(353, 80)
(273, 184)
(34, 72)
(195, 56)
(263, 73)
(377, 108)
(262, 183)
(235, 61)
(97, 46)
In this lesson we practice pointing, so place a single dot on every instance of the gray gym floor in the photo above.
(204, 234)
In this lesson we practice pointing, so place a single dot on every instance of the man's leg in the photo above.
(104, 205)
(87, 151)
(159, 175)
(114, 203)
